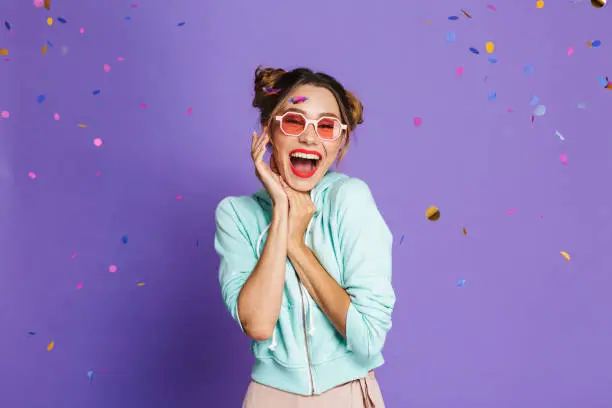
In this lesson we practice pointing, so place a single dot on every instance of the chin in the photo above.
(303, 181)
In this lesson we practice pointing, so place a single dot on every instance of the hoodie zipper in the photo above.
(306, 340)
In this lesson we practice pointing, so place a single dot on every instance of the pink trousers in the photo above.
(361, 393)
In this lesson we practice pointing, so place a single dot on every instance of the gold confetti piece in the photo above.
(490, 47)
(565, 255)
(464, 231)
(50, 346)
(540, 4)
(598, 3)
(49, 21)
(140, 284)
(82, 126)
(3, 51)
(44, 49)
(465, 13)
(48, 4)
(432, 213)
(428, 22)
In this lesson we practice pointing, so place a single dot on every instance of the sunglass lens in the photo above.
(328, 128)
(293, 124)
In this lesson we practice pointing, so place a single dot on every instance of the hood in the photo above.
(316, 194)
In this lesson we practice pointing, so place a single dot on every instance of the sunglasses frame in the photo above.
(314, 123)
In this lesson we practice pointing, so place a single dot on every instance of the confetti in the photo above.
(96, 92)
(563, 158)
(461, 283)
(298, 99)
(492, 95)
(453, 18)
(107, 68)
(490, 47)
(47, 4)
(433, 213)
(97, 142)
(40, 99)
(32, 333)
(459, 71)
(570, 51)
(141, 284)
(595, 43)
(450, 36)
(5, 114)
(7, 25)
(90, 375)
(56, 116)
(51, 346)
(465, 13)
(417, 121)
(464, 231)
(49, 21)
(38, 3)
(49, 43)
(603, 81)
(32, 175)
(120, 59)
(143, 105)
(124, 239)
(540, 110)
(112, 268)
(598, 3)
(271, 91)
(557, 133)
(492, 60)
(565, 255)
(4, 51)
(534, 100)
(528, 69)
(81, 30)
(179, 197)
(197, 243)
(189, 111)
(79, 286)
(44, 49)
(182, 23)
(401, 239)
(491, 7)
(474, 51)
(127, 18)
(62, 20)
(73, 255)
(540, 4)
(82, 126)
(510, 211)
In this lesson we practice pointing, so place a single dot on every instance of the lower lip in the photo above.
(304, 175)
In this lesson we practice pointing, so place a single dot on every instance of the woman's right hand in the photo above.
(269, 178)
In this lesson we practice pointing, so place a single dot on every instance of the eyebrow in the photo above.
(292, 109)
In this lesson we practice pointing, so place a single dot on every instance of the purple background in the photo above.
(528, 328)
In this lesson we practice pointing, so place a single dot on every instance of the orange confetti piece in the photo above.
(540, 4)
(3, 51)
(82, 126)
(565, 255)
(48, 4)
(140, 284)
(51, 346)
(44, 49)
(465, 13)
(464, 231)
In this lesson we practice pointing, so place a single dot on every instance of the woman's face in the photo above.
(298, 173)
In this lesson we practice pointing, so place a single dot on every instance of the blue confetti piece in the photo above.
(492, 60)
(40, 99)
(197, 243)
(127, 18)
(603, 81)
(62, 20)
(96, 92)
(595, 43)
(90, 375)
(450, 36)
(534, 100)
(182, 23)
(540, 110)
(49, 43)
(492, 95)
(7, 25)
(453, 18)
(474, 50)
(32, 333)
(124, 239)
(461, 282)
(528, 69)
(402, 239)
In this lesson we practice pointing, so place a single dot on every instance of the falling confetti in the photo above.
(491, 7)
(182, 23)
(512, 211)
(540, 110)
(189, 111)
(81, 30)
(32, 175)
(492, 95)
(48, 4)
(40, 99)
(38, 3)
(570, 51)
(5, 114)
(459, 71)
(461, 283)
(124, 239)
(73, 255)
(557, 133)
(298, 99)
(51, 346)
(492, 60)
(490, 47)
(271, 91)
(90, 375)
(107, 68)
(464, 230)
(540, 4)
(97, 142)
(598, 3)
(565, 255)
(595, 43)
(56, 116)
(433, 213)
(528, 69)
(96, 92)
(79, 286)
(44, 49)
(143, 105)
(82, 126)
(49, 21)
(179, 197)
(465, 13)
(534, 100)
(62, 20)
(120, 59)
(401, 239)
(563, 158)
(418, 121)
(7, 25)
(4, 51)
(112, 268)
(32, 333)
(453, 18)
(141, 284)
(474, 51)
(450, 36)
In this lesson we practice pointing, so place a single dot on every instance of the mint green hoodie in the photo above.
(306, 355)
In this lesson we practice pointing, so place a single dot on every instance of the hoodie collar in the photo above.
(316, 194)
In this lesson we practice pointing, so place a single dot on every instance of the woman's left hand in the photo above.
(301, 210)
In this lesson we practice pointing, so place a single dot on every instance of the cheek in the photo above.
(332, 150)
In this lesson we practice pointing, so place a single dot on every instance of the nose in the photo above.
(309, 135)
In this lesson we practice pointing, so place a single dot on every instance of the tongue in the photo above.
(304, 166)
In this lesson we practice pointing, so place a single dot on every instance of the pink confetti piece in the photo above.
(510, 110)
(81, 30)
(459, 71)
(541, 215)
(38, 3)
(112, 268)
(570, 51)
(97, 142)
(532, 119)
(98, 174)
(418, 121)
(79, 286)
(179, 197)
(56, 116)
(563, 158)
(134, 5)
(73, 255)
(491, 7)
(32, 175)
(5, 114)
(143, 105)
(511, 211)
(189, 111)
(120, 59)
(107, 68)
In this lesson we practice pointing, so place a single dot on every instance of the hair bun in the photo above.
(355, 110)
(265, 78)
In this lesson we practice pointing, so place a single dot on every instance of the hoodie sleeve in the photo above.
(365, 245)
(237, 258)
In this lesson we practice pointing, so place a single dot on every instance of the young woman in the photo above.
(306, 261)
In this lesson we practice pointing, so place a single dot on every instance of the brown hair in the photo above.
(272, 85)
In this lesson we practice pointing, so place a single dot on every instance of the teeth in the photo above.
(305, 156)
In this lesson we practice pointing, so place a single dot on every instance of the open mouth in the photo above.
(304, 163)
